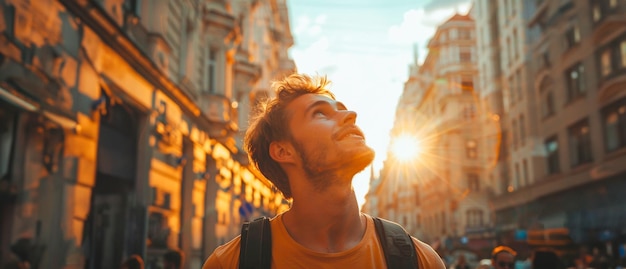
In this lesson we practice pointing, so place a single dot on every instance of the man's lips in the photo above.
(350, 132)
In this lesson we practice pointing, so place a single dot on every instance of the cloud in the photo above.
(310, 27)
(418, 25)
(434, 5)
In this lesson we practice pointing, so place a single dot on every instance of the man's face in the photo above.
(504, 260)
(326, 137)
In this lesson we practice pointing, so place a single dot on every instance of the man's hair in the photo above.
(271, 124)
(499, 249)
(133, 262)
(174, 257)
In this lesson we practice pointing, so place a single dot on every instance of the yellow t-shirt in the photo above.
(287, 253)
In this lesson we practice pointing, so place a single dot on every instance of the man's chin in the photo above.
(362, 160)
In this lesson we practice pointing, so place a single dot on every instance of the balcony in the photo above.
(245, 71)
(218, 21)
(219, 110)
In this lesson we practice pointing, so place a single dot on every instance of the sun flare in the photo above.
(406, 148)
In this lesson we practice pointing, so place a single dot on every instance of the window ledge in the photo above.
(616, 153)
(577, 168)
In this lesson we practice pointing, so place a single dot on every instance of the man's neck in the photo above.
(329, 221)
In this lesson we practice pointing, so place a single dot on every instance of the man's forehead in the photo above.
(304, 102)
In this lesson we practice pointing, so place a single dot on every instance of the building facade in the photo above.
(576, 63)
(122, 122)
(446, 200)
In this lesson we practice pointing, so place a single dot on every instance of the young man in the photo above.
(308, 145)
(503, 257)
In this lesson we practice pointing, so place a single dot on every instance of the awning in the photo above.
(14, 99)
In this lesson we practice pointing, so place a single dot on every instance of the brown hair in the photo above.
(271, 124)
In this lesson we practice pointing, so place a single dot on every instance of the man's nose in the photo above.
(349, 117)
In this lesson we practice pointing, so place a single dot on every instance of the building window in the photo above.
(572, 36)
(471, 149)
(158, 230)
(7, 140)
(612, 58)
(512, 90)
(464, 34)
(575, 81)
(522, 130)
(552, 155)
(467, 83)
(605, 62)
(548, 105)
(580, 143)
(516, 177)
(525, 172)
(211, 71)
(465, 56)
(473, 182)
(518, 84)
(622, 48)
(514, 132)
(614, 121)
(597, 12)
(600, 9)
(474, 218)
(469, 111)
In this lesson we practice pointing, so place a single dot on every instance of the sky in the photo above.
(365, 48)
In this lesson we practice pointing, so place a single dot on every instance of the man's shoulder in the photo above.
(428, 257)
(224, 256)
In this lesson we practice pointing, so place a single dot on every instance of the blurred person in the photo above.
(484, 264)
(21, 255)
(584, 259)
(173, 259)
(461, 263)
(308, 145)
(545, 259)
(503, 257)
(599, 259)
(133, 262)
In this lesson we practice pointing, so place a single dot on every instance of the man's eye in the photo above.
(318, 113)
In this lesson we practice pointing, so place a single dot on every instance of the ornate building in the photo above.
(121, 125)
(576, 71)
(441, 193)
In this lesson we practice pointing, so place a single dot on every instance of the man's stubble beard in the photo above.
(322, 175)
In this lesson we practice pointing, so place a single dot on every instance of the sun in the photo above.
(406, 148)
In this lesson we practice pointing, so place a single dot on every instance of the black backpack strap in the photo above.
(397, 244)
(255, 250)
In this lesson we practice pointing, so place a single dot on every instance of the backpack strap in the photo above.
(255, 249)
(397, 244)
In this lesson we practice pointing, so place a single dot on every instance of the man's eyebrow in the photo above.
(339, 105)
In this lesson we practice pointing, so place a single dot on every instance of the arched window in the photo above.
(471, 149)
(474, 217)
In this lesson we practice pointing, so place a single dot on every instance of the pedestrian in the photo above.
(308, 145)
(173, 259)
(20, 255)
(546, 259)
(132, 262)
(461, 263)
(503, 257)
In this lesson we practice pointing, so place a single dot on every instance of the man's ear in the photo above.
(282, 152)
